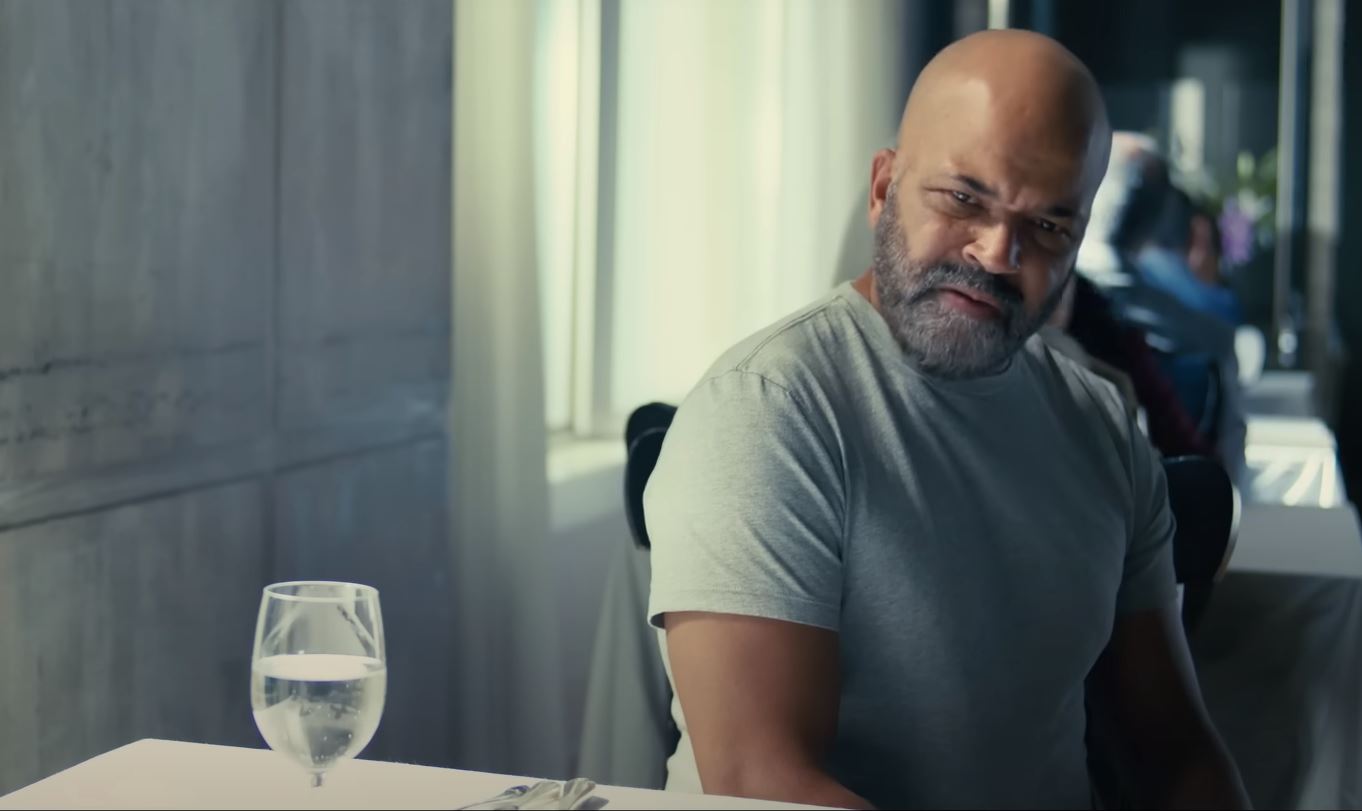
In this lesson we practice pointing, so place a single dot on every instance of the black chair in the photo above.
(643, 436)
(1206, 506)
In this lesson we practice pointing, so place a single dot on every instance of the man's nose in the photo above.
(996, 248)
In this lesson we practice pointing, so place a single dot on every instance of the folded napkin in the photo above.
(573, 794)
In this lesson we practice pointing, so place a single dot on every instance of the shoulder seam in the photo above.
(746, 359)
(737, 370)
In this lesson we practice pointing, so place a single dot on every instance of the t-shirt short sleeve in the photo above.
(1147, 581)
(745, 508)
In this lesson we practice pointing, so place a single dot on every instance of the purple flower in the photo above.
(1236, 234)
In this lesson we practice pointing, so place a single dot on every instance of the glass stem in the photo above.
(317, 780)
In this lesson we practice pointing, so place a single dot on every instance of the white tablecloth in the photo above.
(1279, 651)
(1307, 541)
(1279, 657)
(170, 774)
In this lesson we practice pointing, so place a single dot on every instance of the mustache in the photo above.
(966, 276)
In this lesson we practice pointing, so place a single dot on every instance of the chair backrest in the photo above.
(1201, 496)
(1206, 506)
(1197, 380)
(643, 436)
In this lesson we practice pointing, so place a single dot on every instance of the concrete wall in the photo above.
(224, 321)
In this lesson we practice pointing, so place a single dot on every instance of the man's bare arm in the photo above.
(760, 699)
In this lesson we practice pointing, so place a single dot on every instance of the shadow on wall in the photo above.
(858, 242)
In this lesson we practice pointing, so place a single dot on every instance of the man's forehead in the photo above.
(975, 116)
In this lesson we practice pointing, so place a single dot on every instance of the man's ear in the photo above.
(881, 176)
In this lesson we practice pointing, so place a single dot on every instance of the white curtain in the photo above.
(508, 716)
(745, 132)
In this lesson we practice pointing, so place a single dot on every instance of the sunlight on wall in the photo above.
(556, 88)
(744, 144)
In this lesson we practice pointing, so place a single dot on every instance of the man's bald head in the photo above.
(1016, 88)
(979, 212)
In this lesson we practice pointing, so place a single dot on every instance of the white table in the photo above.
(172, 774)
(1296, 519)
(1281, 393)
(1307, 541)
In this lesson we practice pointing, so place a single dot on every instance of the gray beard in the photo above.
(937, 339)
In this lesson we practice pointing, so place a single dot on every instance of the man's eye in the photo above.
(962, 198)
(1051, 236)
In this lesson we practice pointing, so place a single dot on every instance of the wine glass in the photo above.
(318, 672)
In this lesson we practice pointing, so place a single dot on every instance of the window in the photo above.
(703, 167)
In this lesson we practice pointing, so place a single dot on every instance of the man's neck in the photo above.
(865, 285)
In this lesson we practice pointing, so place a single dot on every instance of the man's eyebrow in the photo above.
(976, 185)
(1059, 210)
(1062, 212)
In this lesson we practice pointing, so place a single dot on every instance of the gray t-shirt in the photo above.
(972, 543)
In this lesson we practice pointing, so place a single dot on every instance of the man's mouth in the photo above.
(971, 302)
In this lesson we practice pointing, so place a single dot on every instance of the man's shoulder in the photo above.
(799, 353)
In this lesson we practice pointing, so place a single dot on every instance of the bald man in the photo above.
(893, 533)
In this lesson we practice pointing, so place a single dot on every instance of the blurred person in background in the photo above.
(1195, 350)
(1182, 258)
